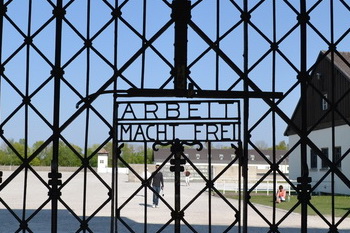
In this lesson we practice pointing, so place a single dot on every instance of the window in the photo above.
(324, 102)
(325, 152)
(337, 155)
(313, 159)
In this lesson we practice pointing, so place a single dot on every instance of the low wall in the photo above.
(230, 173)
(41, 168)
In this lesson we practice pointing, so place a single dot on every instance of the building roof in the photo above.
(341, 63)
(102, 151)
(331, 67)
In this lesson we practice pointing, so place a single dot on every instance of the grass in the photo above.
(323, 203)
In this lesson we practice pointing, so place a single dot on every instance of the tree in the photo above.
(135, 155)
(281, 146)
(43, 156)
(93, 160)
(15, 152)
(5, 158)
(67, 157)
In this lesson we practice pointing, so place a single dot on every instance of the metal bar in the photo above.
(114, 134)
(143, 56)
(177, 149)
(177, 196)
(134, 92)
(274, 61)
(246, 136)
(57, 73)
(239, 154)
(207, 94)
(210, 178)
(85, 225)
(24, 225)
(117, 150)
(3, 10)
(333, 99)
(304, 179)
(181, 13)
(145, 181)
(217, 63)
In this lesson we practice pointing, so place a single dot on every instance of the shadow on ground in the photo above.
(67, 223)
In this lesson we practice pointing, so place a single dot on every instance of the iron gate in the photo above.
(64, 65)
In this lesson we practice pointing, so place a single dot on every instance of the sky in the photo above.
(89, 70)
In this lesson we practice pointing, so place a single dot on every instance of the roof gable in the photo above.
(329, 68)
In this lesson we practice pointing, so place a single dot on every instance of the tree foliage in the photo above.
(282, 145)
(135, 155)
(14, 153)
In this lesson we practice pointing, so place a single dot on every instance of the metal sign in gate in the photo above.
(181, 124)
(205, 120)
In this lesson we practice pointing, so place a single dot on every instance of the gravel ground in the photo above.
(194, 199)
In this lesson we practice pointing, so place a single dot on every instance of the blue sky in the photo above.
(156, 71)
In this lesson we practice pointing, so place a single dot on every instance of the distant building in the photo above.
(319, 120)
(221, 157)
(102, 161)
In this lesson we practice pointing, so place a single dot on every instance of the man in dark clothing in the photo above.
(157, 184)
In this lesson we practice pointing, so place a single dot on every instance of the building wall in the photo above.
(322, 139)
(294, 158)
(102, 163)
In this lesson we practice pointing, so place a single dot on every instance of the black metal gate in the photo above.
(66, 66)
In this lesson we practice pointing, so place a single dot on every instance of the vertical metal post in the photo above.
(245, 17)
(57, 73)
(116, 155)
(145, 182)
(333, 115)
(181, 14)
(304, 180)
(115, 150)
(177, 193)
(177, 149)
(3, 10)
(210, 177)
(239, 154)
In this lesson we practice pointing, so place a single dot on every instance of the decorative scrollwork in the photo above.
(159, 143)
(198, 143)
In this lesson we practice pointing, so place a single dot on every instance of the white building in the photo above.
(102, 161)
(329, 133)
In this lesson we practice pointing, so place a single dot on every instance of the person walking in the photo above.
(157, 185)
